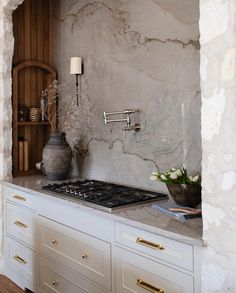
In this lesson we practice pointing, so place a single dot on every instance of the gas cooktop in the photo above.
(103, 194)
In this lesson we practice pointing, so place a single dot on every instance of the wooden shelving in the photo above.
(32, 72)
(30, 123)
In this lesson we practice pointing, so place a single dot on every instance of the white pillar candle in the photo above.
(75, 65)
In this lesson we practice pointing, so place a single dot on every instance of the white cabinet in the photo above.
(168, 250)
(55, 278)
(82, 253)
(20, 224)
(138, 274)
(52, 246)
(20, 238)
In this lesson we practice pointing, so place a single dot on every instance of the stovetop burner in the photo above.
(104, 194)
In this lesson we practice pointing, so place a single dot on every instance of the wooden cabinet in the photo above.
(32, 72)
(59, 247)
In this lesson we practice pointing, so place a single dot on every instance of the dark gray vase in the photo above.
(185, 195)
(57, 157)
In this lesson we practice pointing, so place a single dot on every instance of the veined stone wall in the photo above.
(137, 55)
(218, 85)
(218, 75)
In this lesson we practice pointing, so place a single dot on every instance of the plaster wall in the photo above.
(137, 55)
(218, 85)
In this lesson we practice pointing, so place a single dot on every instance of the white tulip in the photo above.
(153, 177)
(178, 172)
(190, 178)
(163, 177)
(195, 179)
(173, 175)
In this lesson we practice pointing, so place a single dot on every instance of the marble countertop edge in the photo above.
(139, 216)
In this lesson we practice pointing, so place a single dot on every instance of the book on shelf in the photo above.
(23, 153)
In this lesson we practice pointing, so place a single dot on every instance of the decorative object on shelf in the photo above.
(23, 150)
(40, 167)
(21, 154)
(34, 114)
(57, 157)
(26, 155)
(23, 113)
(184, 189)
(43, 102)
(76, 69)
(136, 127)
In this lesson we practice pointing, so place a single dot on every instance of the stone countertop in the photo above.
(142, 216)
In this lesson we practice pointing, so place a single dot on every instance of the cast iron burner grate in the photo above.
(105, 194)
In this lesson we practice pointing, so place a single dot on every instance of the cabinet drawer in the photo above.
(78, 251)
(20, 223)
(53, 277)
(20, 264)
(137, 274)
(18, 197)
(163, 248)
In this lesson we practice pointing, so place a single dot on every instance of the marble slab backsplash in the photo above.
(137, 55)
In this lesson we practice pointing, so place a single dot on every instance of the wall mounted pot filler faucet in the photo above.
(136, 127)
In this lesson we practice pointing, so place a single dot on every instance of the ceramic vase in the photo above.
(57, 157)
(185, 195)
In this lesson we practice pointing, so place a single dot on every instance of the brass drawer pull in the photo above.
(84, 255)
(19, 197)
(149, 244)
(54, 241)
(148, 287)
(19, 224)
(19, 259)
(55, 283)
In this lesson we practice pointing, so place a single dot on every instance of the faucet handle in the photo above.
(136, 127)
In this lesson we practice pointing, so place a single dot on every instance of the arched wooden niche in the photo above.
(29, 79)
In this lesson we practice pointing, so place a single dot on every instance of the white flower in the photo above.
(173, 175)
(195, 179)
(178, 172)
(153, 177)
(190, 178)
(163, 177)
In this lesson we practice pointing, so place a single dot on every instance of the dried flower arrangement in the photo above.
(52, 109)
(51, 105)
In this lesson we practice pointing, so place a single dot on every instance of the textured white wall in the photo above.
(218, 84)
(6, 52)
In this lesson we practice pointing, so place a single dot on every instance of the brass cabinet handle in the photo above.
(19, 259)
(19, 197)
(148, 287)
(54, 241)
(84, 255)
(20, 224)
(55, 283)
(149, 244)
